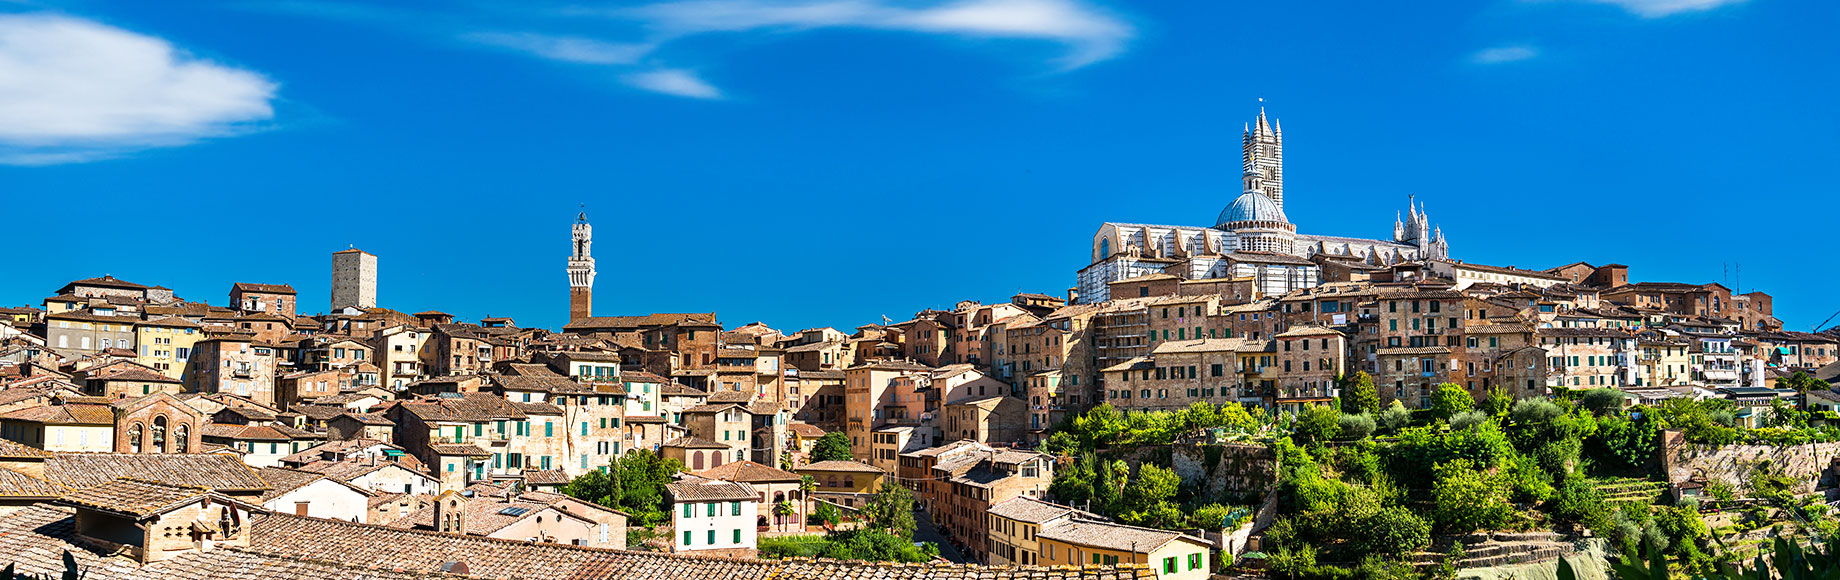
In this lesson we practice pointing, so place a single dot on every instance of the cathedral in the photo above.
(1252, 238)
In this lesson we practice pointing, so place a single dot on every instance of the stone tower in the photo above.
(581, 272)
(1264, 157)
(354, 279)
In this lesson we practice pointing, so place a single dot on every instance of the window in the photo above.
(712, 537)
(1169, 564)
(689, 512)
(737, 536)
(734, 509)
(1194, 561)
(687, 538)
(712, 513)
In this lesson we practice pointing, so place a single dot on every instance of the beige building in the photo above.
(868, 394)
(846, 483)
(1015, 525)
(994, 419)
(1174, 555)
(166, 344)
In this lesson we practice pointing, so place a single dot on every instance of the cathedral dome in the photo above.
(1251, 206)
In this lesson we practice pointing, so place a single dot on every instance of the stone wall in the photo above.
(1241, 470)
(1732, 464)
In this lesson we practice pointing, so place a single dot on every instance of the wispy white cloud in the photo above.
(75, 90)
(1662, 8)
(677, 82)
(1504, 54)
(637, 37)
(574, 49)
(1091, 35)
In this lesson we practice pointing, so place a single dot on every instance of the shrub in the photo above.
(1467, 419)
(1535, 411)
(1602, 401)
(1395, 417)
(1395, 531)
(1356, 427)
(1318, 423)
(1468, 499)
(1578, 502)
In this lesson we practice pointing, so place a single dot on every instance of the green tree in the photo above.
(1800, 382)
(785, 510)
(1074, 484)
(1359, 395)
(1498, 403)
(826, 514)
(1467, 499)
(1602, 401)
(1108, 485)
(832, 447)
(875, 545)
(1451, 398)
(892, 510)
(593, 487)
(1153, 485)
(1318, 423)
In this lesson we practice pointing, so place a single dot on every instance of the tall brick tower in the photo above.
(581, 272)
(1264, 157)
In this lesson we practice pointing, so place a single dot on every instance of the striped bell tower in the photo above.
(1264, 156)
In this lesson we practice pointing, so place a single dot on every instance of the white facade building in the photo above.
(710, 515)
(1252, 237)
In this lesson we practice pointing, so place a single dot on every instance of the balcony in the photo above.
(243, 374)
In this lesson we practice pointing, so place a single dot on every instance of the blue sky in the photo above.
(825, 162)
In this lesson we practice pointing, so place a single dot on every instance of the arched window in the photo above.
(159, 434)
(1105, 248)
(698, 460)
(134, 438)
(182, 440)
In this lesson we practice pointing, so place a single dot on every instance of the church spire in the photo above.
(1264, 157)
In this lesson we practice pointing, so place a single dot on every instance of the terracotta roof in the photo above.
(263, 288)
(634, 322)
(68, 414)
(805, 430)
(1031, 510)
(642, 377)
(133, 497)
(170, 322)
(484, 515)
(106, 281)
(211, 471)
(256, 432)
(16, 485)
(376, 547)
(137, 374)
(1110, 536)
(689, 442)
(472, 408)
(546, 477)
(284, 480)
(14, 450)
(747, 472)
(459, 449)
(710, 491)
(369, 419)
(835, 465)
